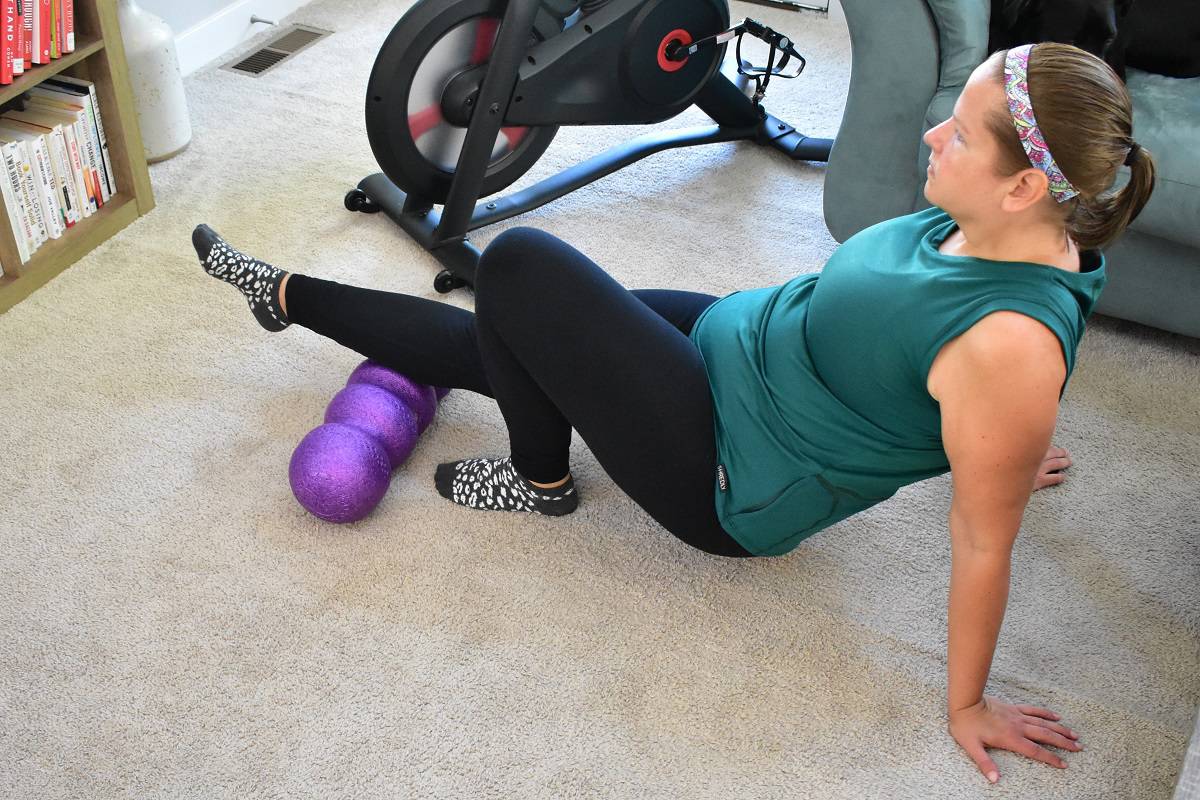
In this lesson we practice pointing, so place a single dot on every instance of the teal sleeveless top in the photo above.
(818, 385)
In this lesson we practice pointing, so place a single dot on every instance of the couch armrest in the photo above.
(894, 73)
(911, 59)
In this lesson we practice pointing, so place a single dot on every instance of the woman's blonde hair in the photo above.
(1086, 116)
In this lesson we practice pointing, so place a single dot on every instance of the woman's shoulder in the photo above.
(1000, 340)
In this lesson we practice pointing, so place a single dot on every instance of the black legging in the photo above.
(559, 344)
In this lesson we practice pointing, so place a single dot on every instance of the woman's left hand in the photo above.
(1019, 728)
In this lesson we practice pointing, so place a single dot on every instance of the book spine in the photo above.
(8, 43)
(29, 48)
(62, 179)
(92, 141)
(37, 154)
(29, 191)
(49, 189)
(44, 22)
(69, 16)
(29, 195)
(22, 232)
(87, 164)
(108, 169)
(19, 44)
(17, 149)
(78, 201)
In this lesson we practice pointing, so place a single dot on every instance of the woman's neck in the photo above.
(1040, 244)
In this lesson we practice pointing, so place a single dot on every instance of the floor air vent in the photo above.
(287, 44)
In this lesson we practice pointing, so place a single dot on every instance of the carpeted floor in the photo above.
(174, 624)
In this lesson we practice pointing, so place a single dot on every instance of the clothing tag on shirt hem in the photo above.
(722, 478)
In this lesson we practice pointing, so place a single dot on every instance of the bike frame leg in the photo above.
(487, 119)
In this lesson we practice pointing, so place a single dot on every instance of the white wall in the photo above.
(181, 16)
(206, 30)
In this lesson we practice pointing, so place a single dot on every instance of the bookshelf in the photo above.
(99, 57)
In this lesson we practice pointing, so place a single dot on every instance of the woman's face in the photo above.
(961, 177)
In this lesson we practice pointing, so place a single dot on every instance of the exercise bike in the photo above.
(466, 95)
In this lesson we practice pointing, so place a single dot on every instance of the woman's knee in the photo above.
(513, 250)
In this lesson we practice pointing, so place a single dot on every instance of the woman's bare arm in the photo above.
(999, 403)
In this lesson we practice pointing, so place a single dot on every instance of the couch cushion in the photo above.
(1166, 121)
(962, 38)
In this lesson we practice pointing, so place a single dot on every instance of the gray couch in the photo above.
(911, 59)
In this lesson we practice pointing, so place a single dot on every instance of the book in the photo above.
(41, 31)
(29, 37)
(10, 188)
(65, 13)
(8, 40)
(55, 50)
(16, 162)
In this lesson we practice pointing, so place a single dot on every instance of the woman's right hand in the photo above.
(1019, 728)
(1057, 458)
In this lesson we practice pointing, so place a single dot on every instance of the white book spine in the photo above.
(29, 188)
(65, 180)
(45, 188)
(17, 151)
(11, 189)
(36, 7)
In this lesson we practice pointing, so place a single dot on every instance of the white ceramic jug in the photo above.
(156, 81)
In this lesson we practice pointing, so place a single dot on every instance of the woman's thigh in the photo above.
(619, 367)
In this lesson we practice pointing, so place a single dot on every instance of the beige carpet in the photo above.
(174, 624)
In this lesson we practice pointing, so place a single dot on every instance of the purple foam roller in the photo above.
(420, 398)
(379, 413)
(339, 473)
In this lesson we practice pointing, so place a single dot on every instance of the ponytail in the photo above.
(1099, 221)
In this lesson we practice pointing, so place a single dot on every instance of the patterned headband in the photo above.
(1016, 86)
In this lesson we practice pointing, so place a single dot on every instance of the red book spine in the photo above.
(44, 22)
(28, 38)
(8, 45)
(69, 26)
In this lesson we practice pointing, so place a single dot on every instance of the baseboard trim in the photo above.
(215, 37)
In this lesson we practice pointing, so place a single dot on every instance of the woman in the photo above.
(938, 341)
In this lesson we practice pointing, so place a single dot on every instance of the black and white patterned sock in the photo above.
(257, 280)
(495, 485)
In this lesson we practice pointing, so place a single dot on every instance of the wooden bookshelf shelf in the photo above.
(99, 57)
(84, 47)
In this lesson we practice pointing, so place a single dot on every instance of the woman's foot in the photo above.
(256, 280)
(495, 485)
